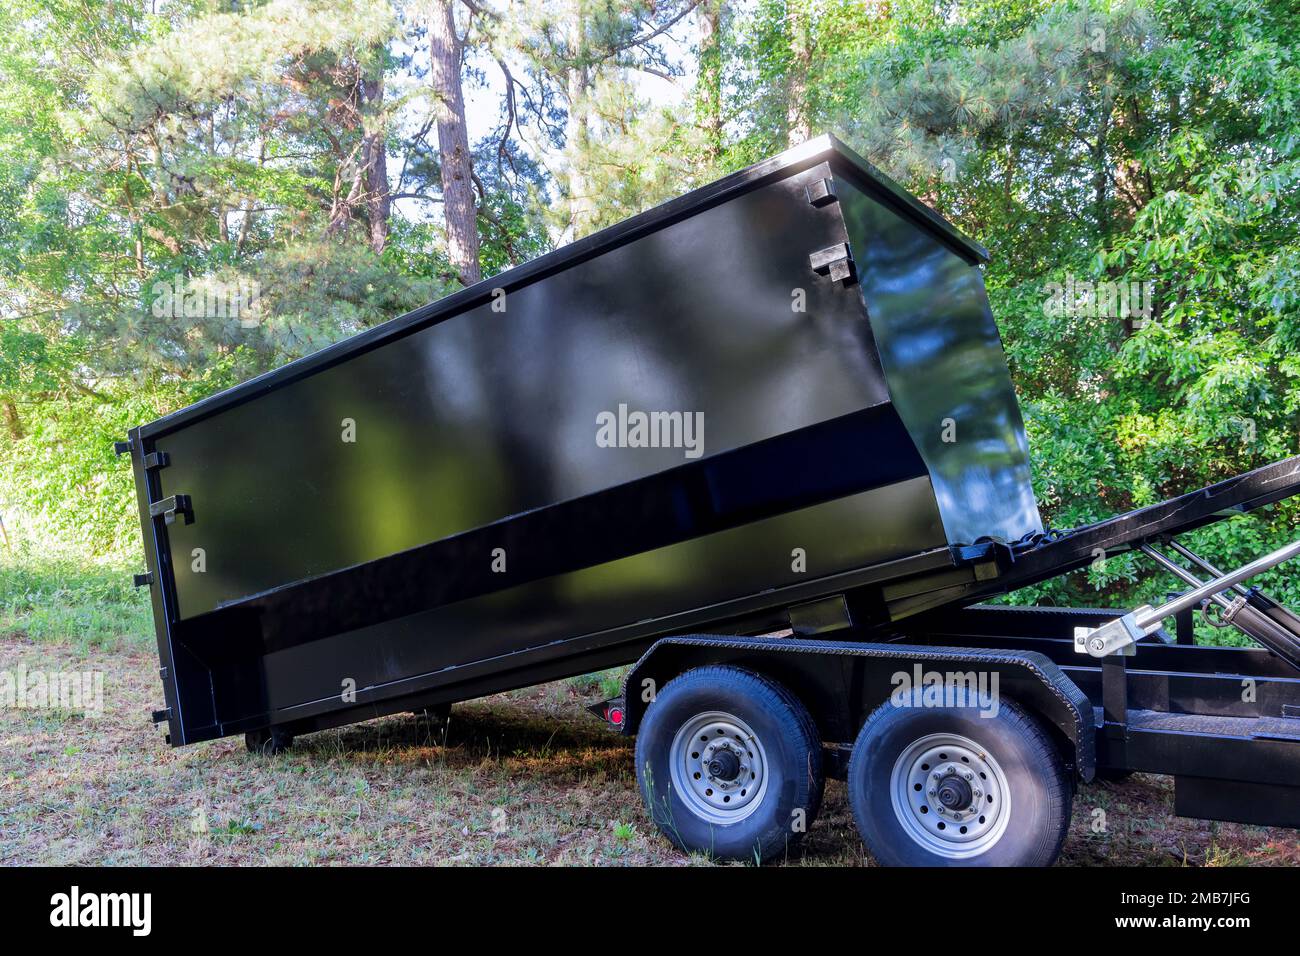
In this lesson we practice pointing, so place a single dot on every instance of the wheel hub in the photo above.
(950, 796)
(954, 792)
(718, 767)
(725, 765)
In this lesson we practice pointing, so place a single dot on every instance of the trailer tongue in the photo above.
(761, 441)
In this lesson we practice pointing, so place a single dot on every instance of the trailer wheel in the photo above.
(951, 786)
(268, 740)
(729, 764)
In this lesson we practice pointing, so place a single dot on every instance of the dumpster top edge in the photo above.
(821, 149)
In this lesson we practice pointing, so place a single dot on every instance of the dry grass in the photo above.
(522, 778)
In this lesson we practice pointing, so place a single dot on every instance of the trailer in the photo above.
(760, 443)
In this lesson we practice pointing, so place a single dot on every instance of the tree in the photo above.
(453, 143)
(710, 18)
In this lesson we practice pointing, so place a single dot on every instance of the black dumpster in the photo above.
(778, 387)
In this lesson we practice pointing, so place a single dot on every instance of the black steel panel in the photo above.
(946, 371)
(1261, 804)
(860, 529)
(490, 414)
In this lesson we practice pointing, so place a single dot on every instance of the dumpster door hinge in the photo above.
(835, 261)
(170, 508)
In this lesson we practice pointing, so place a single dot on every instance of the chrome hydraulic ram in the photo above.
(1178, 571)
(1204, 565)
(1119, 636)
(1250, 611)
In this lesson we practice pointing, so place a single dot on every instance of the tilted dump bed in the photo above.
(779, 386)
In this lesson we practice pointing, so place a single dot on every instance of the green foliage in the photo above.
(1148, 146)
(63, 488)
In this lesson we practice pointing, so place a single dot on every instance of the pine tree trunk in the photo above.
(798, 125)
(374, 159)
(576, 132)
(453, 144)
(710, 23)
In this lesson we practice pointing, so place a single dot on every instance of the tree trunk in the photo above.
(453, 144)
(374, 158)
(798, 125)
(710, 23)
(1101, 168)
(577, 133)
(1132, 187)
(13, 424)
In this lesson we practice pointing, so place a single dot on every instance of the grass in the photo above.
(602, 684)
(65, 598)
(526, 778)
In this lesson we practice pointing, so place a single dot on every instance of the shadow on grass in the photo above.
(476, 731)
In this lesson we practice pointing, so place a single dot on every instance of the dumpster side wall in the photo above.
(945, 367)
(490, 414)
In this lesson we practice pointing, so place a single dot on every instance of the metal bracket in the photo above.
(155, 459)
(835, 261)
(1117, 637)
(820, 617)
(170, 508)
(140, 580)
(821, 192)
(159, 716)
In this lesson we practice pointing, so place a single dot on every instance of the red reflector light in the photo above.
(615, 716)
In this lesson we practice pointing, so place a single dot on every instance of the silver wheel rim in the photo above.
(707, 743)
(951, 796)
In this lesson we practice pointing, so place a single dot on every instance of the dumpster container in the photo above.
(777, 387)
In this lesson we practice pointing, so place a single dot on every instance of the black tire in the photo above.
(1037, 801)
(267, 741)
(787, 803)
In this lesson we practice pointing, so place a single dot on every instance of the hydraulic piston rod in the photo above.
(1204, 565)
(1178, 571)
(1120, 635)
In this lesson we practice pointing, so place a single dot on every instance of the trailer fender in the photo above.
(843, 681)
